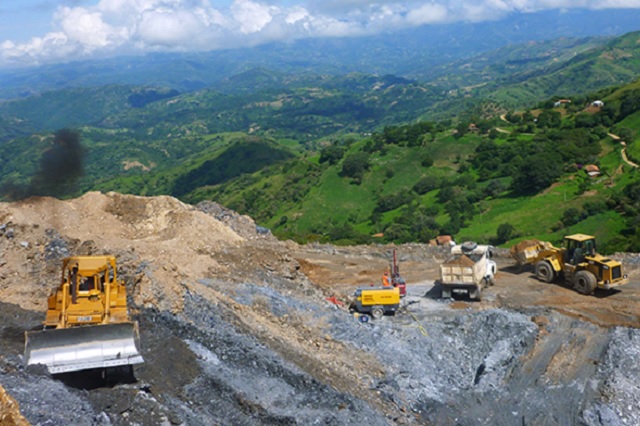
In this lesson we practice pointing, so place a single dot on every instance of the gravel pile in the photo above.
(619, 372)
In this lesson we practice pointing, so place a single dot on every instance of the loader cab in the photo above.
(578, 247)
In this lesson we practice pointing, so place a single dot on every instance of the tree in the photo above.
(427, 160)
(513, 118)
(506, 231)
(331, 154)
(549, 118)
(495, 188)
(355, 165)
(426, 184)
(392, 201)
(625, 134)
(571, 216)
(536, 172)
(586, 120)
(461, 129)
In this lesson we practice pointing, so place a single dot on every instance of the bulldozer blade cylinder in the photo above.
(83, 348)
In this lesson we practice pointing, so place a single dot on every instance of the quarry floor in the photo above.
(236, 329)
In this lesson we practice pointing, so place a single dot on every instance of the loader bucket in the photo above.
(83, 348)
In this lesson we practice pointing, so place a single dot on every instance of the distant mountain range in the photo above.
(307, 106)
(419, 54)
(300, 138)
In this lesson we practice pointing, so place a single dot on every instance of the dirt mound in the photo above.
(179, 240)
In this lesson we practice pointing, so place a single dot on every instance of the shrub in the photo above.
(331, 154)
(426, 184)
(355, 165)
(571, 216)
(506, 231)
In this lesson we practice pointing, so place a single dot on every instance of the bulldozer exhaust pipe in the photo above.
(84, 348)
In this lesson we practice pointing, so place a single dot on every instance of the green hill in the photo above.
(498, 182)
(615, 63)
(343, 158)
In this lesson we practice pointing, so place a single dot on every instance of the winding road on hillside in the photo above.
(623, 152)
(626, 160)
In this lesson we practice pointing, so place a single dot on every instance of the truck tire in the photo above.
(377, 312)
(468, 246)
(476, 293)
(544, 271)
(445, 293)
(488, 282)
(584, 282)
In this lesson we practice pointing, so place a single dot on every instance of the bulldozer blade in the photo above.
(83, 348)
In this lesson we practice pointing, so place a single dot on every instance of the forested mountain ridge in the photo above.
(344, 157)
(486, 179)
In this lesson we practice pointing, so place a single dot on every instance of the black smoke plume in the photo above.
(61, 166)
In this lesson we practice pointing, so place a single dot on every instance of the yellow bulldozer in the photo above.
(578, 262)
(87, 324)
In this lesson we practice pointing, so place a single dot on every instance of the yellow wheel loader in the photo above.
(87, 324)
(578, 262)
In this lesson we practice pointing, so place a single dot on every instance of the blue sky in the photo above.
(34, 32)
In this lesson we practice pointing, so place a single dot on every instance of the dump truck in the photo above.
(376, 301)
(468, 270)
(87, 323)
(577, 262)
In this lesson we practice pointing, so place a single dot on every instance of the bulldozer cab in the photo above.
(578, 247)
(88, 274)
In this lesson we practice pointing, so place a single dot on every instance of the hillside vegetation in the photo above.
(497, 180)
(358, 158)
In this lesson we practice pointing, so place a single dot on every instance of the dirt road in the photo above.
(343, 269)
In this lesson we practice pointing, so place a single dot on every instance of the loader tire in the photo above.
(377, 312)
(544, 271)
(584, 282)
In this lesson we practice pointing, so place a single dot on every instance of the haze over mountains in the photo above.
(416, 53)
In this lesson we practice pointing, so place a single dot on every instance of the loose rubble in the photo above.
(236, 328)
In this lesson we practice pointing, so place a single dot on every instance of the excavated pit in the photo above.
(236, 329)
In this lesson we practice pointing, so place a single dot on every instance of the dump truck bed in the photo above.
(462, 270)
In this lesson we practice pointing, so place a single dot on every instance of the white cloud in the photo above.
(168, 28)
(87, 28)
(128, 26)
(250, 16)
(296, 14)
(429, 13)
